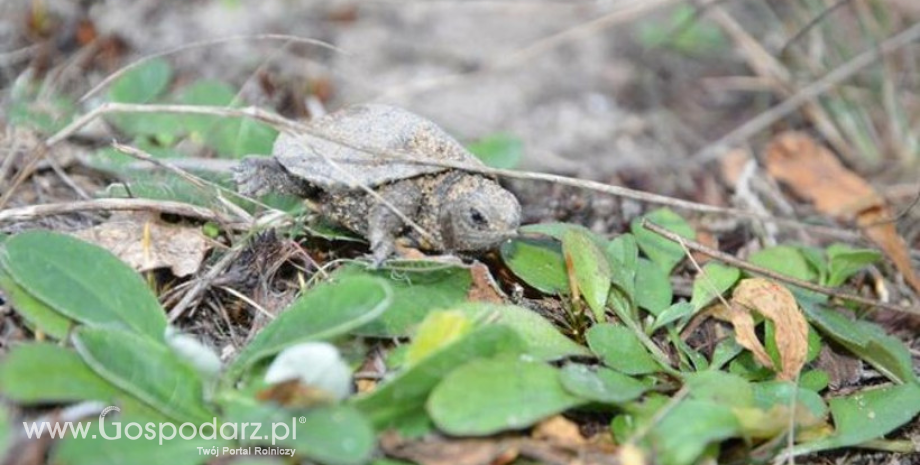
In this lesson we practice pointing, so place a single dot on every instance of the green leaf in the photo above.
(714, 281)
(845, 261)
(663, 252)
(786, 260)
(326, 311)
(439, 329)
(416, 293)
(46, 114)
(486, 396)
(236, 137)
(405, 395)
(867, 415)
(540, 337)
(814, 380)
(498, 150)
(834, 324)
(39, 316)
(620, 349)
(720, 387)
(539, 263)
(559, 230)
(770, 393)
(83, 282)
(142, 83)
(623, 254)
(93, 450)
(600, 385)
(590, 269)
(149, 371)
(653, 288)
(41, 372)
(332, 435)
(671, 314)
(688, 428)
(888, 354)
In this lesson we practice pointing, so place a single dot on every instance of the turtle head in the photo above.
(479, 216)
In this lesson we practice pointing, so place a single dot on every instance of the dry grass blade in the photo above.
(806, 94)
(106, 205)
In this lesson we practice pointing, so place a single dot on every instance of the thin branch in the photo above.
(738, 263)
(104, 205)
(811, 24)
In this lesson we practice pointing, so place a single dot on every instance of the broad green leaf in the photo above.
(83, 282)
(653, 288)
(142, 83)
(867, 415)
(540, 337)
(601, 384)
(720, 387)
(335, 435)
(236, 137)
(786, 260)
(41, 372)
(559, 230)
(663, 252)
(590, 269)
(416, 293)
(48, 115)
(671, 314)
(845, 261)
(623, 254)
(725, 351)
(814, 380)
(149, 371)
(888, 354)
(132, 446)
(487, 396)
(834, 324)
(332, 435)
(205, 92)
(621, 350)
(405, 395)
(713, 282)
(39, 316)
(688, 428)
(539, 263)
(498, 150)
(439, 329)
(770, 393)
(326, 311)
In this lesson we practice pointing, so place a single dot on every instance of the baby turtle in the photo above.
(460, 211)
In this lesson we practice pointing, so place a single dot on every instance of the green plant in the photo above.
(471, 369)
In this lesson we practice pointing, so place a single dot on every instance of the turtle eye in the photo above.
(477, 218)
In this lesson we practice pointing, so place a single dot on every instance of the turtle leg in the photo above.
(256, 176)
(383, 224)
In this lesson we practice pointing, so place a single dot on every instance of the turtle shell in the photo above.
(378, 130)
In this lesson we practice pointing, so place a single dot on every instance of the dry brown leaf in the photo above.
(815, 174)
(743, 323)
(560, 431)
(145, 243)
(483, 288)
(732, 165)
(777, 304)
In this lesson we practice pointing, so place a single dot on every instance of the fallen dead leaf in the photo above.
(484, 288)
(145, 242)
(814, 174)
(732, 165)
(559, 431)
(776, 303)
(743, 322)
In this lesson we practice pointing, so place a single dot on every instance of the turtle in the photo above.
(353, 164)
